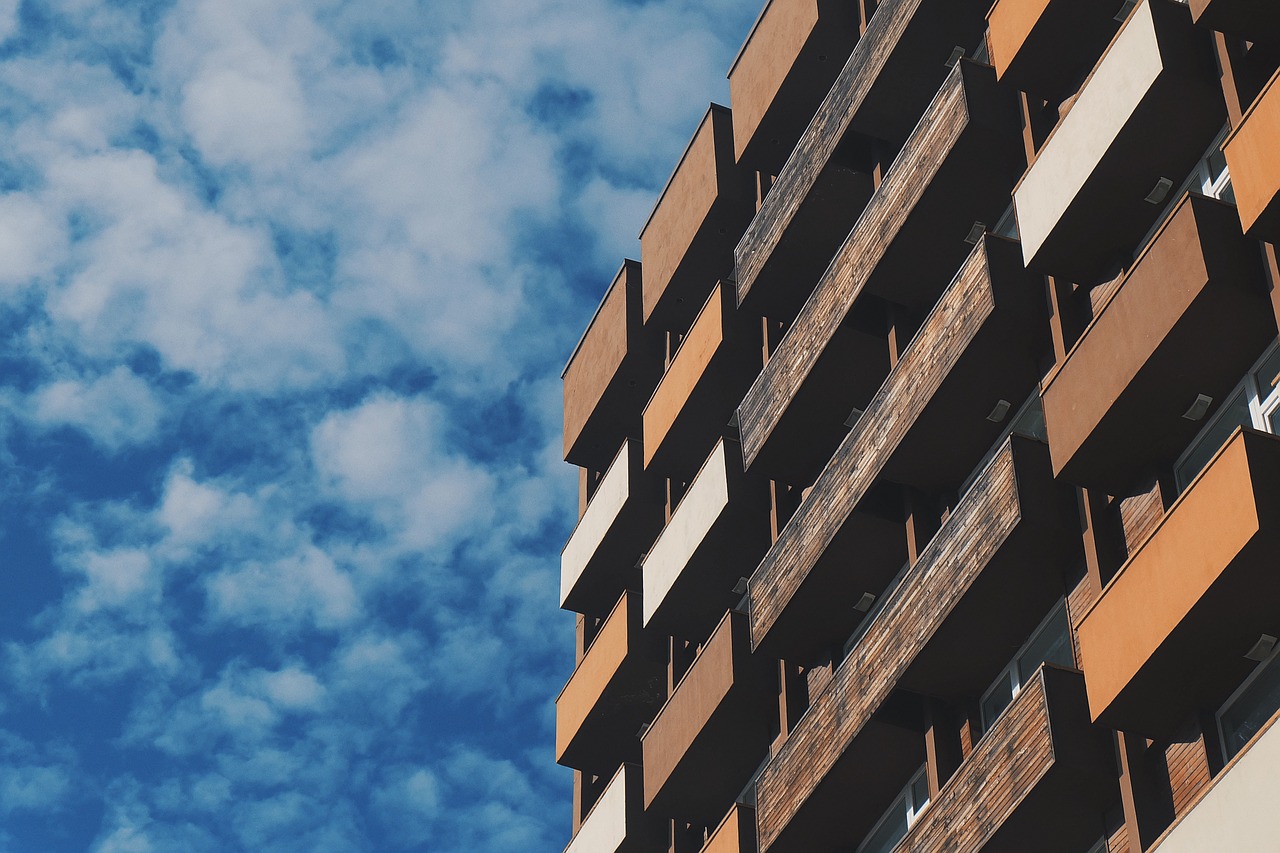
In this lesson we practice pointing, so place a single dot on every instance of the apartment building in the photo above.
(929, 479)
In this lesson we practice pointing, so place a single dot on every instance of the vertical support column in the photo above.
(1144, 791)
(1103, 542)
(1271, 265)
(680, 655)
(1067, 316)
(923, 518)
(793, 698)
(942, 743)
(1229, 52)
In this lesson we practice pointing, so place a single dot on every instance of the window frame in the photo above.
(905, 797)
(1011, 672)
(1263, 666)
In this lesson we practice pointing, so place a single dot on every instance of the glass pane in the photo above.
(1268, 373)
(1031, 421)
(919, 794)
(1251, 709)
(1217, 162)
(1052, 644)
(1234, 413)
(994, 703)
(892, 830)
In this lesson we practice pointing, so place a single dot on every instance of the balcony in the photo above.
(927, 427)
(694, 401)
(617, 687)
(687, 244)
(887, 83)
(1040, 779)
(1252, 20)
(1238, 811)
(1255, 169)
(956, 169)
(1169, 633)
(945, 630)
(617, 823)
(736, 833)
(1046, 47)
(608, 375)
(784, 70)
(1190, 318)
(714, 730)
(1148, 112)
(719, 530)
(623, 518)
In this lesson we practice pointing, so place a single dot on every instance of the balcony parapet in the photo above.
(695, 398)
(736, 833)
(1189, 318)
(785, 68)
(1046, 47)
(927, 427)
(616, 688)
(885, 86)
(1039, 780)
(608, 376)
(620, 522)
(617, 822)
(1255, 169)
(713, 731)
(1168, 634)
(687, 243)
(944, 630)
(720, 528)
(957, 169)
(1148, 111)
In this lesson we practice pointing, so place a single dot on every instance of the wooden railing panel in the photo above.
(857, 462)
(926, 595)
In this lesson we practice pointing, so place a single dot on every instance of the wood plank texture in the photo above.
(927, 594)
(818, 144)
(1006, 766)
(937, 347)
(850, 270)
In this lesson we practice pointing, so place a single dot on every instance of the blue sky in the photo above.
(285, 291)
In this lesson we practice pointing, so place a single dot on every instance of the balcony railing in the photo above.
(1047, 46)
(608, 375)
(1169, 633)
(887, 83)
(714, 730)
(736, 833)
(617, 823)
(928, 426)
(1040, 779)
(621, 520)
(945, 630)
(1146, 115)
(687, 244)
(784, 70)
(1189, 319)
(617, 687)
(720, 528)
(956, 170)
(1255, 169)
(694, 401)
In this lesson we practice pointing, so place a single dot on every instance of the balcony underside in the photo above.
(1046, 47)
(1254, 20)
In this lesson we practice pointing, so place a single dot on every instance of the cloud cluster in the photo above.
(285, 286)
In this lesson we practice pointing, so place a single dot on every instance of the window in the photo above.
(1050, 643)
(900, 817)
(1249, 708)
(1253, 403)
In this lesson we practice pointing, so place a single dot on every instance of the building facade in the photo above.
(929, 479)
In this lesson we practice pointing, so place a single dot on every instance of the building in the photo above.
(929, 496)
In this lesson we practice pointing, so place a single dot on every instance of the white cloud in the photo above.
(115, 410)
(285, 594)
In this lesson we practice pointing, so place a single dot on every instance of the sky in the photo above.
(286, 287)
